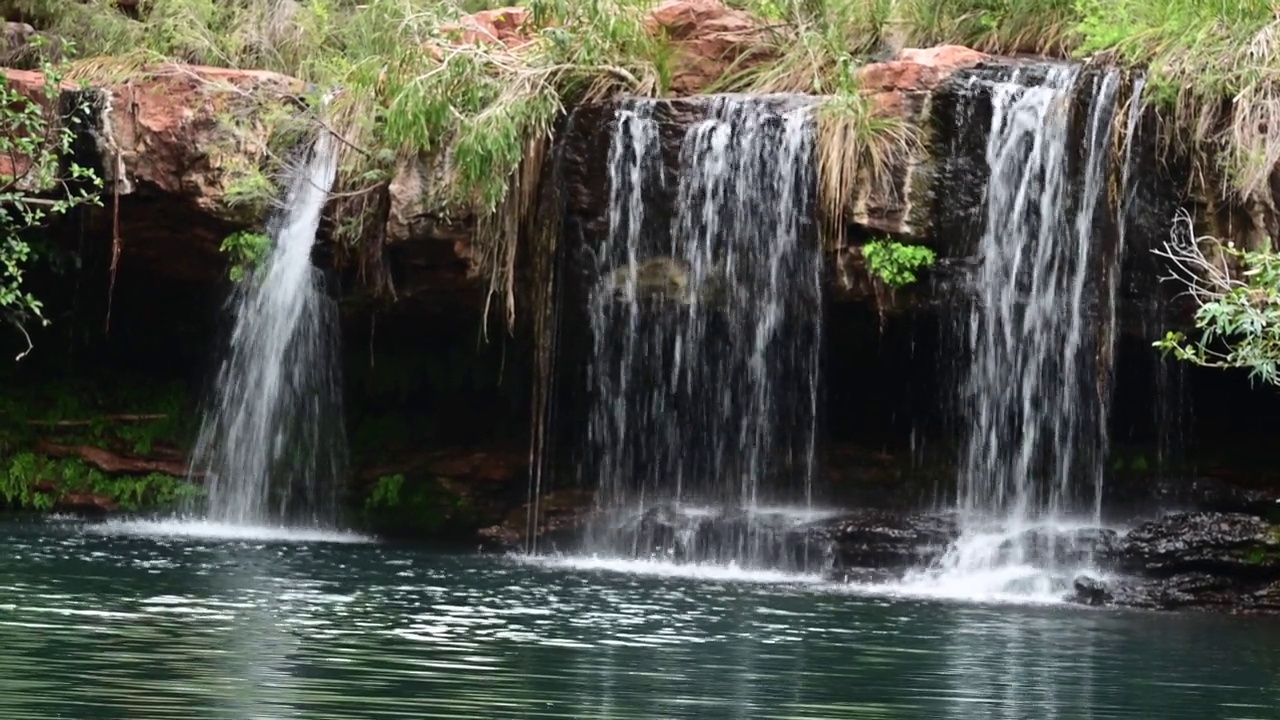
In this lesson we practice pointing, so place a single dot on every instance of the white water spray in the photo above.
(271, 446)
(1037, 392)
(707, 396)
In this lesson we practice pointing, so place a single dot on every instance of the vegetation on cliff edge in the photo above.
(896, 263)
(481, 113)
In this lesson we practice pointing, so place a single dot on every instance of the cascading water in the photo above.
(271, 445)
(704, 369)
(1036, 395)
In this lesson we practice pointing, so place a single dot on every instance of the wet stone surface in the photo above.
(1206, 560)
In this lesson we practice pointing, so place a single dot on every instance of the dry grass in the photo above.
(858, 146)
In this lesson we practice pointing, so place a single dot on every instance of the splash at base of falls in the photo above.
(1038, 385)
(705, 320)
(1034, 563)
(711, 572)
(207, 530)
(760, 538)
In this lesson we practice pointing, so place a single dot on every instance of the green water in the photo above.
(96, 625)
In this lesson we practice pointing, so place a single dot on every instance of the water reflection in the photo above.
(95, 627)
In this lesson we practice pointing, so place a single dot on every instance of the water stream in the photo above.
(271, 446)
(704, 368)
(1038, 386)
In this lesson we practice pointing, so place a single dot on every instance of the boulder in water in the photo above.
(1090, 591)
(1197, 560)
(1198, 591)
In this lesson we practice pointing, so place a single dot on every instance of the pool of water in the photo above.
(143, 622)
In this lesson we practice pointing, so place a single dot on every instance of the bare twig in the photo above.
(1201, 277)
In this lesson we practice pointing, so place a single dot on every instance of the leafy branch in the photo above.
(1237, 293)
(37, 184)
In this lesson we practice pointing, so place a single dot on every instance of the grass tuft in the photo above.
(859, 145)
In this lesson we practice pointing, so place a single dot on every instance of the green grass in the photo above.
(33, 482)
(130, 416)
(480, 116)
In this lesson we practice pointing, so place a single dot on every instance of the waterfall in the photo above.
(271, 444)
(705, 329)
(1036, 395)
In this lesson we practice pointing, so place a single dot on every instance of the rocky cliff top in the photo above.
(444, 146)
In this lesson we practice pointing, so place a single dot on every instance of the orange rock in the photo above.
(709, 37)
(164, 134)
(160, 128)
(918, 70)
(30, 85)
(506, 26)
(900, 88)
(85, 503)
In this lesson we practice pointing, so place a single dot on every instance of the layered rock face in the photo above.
(171, 141)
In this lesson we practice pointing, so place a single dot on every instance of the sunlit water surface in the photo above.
(140, 622)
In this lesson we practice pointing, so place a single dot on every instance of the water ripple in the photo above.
(236, 630)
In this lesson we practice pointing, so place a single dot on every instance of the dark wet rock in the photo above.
(862, 545)
(562, 516)
(1198, 591)
(1215, 495)
(1090, 591)
(1204, 560)
(1229, 544)
(880, 539)
(1141, 493)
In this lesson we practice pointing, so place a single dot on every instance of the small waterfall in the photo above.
(272, 444)
(1036, 395)
(704, 374)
